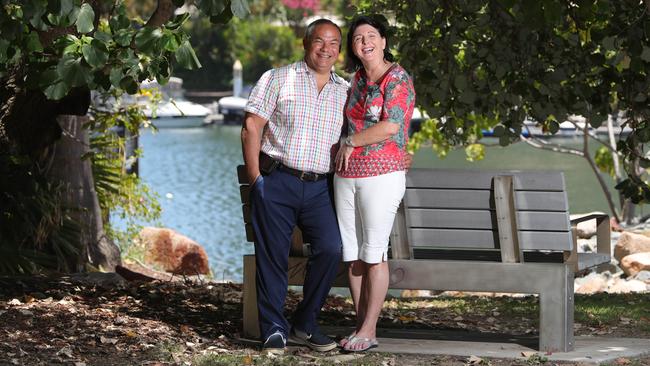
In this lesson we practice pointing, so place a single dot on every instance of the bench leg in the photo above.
(556, 312)
(249, 299)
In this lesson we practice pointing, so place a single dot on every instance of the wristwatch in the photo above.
(348, 141)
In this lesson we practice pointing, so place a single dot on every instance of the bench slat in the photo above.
(484, 219)
(487, 239)
(482, 179)
(482, 199)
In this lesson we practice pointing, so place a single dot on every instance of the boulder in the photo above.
(586, 229)
(634, 263)
(173, 252)
(643, 276)
(594, 283)
(621, 286)
(631, 243)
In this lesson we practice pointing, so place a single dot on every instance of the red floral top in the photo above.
(392, 99)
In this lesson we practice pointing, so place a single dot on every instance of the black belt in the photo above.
(302, 175)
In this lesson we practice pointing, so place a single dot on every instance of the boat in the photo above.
(174, 110)
(232, 109)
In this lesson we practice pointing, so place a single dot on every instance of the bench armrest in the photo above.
(603, 231)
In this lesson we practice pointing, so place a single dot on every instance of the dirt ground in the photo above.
(71, 321)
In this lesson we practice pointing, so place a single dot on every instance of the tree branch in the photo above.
(599, 177)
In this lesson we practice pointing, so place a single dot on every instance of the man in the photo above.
(293, 123)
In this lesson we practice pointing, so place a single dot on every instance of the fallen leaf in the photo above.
(622, 361)
(66, 351)
(14, 302)
(185, 329)
(130, 334)
(107, 340)
(248, 359)
(528, 354)
(79, 364)
(474, 360)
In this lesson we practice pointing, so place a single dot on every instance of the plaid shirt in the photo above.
(303, 126)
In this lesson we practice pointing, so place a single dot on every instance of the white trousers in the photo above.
(365, 209)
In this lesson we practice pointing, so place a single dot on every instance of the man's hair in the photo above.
(312, 26)
(379, 22)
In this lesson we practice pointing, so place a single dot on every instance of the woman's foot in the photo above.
(346, 339)
(358, 344)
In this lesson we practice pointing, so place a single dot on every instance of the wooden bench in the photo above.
(474, 230)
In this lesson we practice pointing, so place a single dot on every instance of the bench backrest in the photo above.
(460, 211)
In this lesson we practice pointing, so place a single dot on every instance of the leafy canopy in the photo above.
(494, 63)
(99, 53)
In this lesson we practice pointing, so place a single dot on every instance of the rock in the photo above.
(419, 293)
(631, 243)
(173, 252)
(621, 286)
(591, 284)
(586, 229)
(634, 263)
(643, 276)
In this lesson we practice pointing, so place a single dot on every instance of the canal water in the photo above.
(193, 170)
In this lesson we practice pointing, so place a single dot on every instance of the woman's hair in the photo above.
(352, 62)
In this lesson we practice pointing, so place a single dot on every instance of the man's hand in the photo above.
(408, 160)
(251, 136)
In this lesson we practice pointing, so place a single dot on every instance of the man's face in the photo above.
(322, 49)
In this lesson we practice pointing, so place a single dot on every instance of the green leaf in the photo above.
(66, 7)
(240, 8)
(123, 37)
(213, 7)
(186, 57)
(146, 40)
(69, 43)
(57, 91)
(222, 18)
(129, 85)
(178, 21)
(95, 53)
(116, 76)
(71, 71)
(85, 19)
(172, 42)
(33, 43)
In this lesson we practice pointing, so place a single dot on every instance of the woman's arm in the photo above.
(381, 131)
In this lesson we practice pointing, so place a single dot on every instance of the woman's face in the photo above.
(368, 45)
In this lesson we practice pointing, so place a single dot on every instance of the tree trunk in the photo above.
(68, 168)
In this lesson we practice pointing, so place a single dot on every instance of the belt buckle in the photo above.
(303, 176)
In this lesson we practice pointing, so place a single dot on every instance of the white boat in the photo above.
(232, 109)
(173, 110)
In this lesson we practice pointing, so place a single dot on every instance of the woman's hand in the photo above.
(342, 157)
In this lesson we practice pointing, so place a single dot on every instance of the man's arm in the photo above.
(251, 142)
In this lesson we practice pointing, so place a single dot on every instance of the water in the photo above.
(194, 172)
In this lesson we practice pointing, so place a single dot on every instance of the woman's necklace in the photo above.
(377, 74)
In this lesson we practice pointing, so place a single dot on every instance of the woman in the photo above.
(370, 179)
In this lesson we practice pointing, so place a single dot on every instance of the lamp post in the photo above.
(236, 78)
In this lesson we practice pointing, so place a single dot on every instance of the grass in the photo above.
(606, 309)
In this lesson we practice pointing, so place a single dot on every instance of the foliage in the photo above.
(120, 192)
(213, 48)
(507, 60)
(261, 46)
(114, 53)
(59, 47)
(36, 232)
